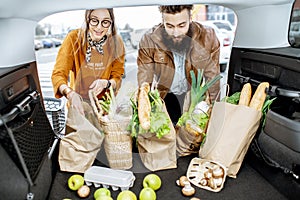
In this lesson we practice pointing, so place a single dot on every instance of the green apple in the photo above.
(102, 192)
(126, 195)
(147, 193)
(75, 181)
(153, 181)
(104, 198)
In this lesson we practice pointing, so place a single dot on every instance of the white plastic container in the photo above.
(108, 177)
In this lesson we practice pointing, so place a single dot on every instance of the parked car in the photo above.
(38, 44)
(47, 43)
(225, 44)
(226, 27)
(56, 42)
(261, 52)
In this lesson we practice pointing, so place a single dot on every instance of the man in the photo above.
(170, 50)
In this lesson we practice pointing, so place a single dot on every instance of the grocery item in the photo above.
(245, 95)
(144, 106)
(108, 177)
(206, 174)
(259, 96)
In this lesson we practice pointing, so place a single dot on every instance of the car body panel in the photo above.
(14, 17)
(261, 42)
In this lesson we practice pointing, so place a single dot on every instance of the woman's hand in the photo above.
(76, 102)
(74, 98)
(99, 85)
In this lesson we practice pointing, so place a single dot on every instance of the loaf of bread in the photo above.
(144, 106)
(259, 96)
(245, 95)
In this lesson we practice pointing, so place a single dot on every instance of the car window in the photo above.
(294, 32)
(51, 31)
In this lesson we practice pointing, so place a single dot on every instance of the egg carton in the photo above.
(207, 174)
(107, 177)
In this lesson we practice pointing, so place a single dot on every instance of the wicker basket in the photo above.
(118, 141)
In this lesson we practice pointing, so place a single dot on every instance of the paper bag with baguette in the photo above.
(153, 130)
(232, 127)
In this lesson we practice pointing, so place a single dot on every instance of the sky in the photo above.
(136, 17)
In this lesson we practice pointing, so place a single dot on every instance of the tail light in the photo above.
(226, 42)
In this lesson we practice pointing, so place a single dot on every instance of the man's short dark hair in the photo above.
(174, 8)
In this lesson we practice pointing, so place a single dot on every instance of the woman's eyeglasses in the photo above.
(104, 23)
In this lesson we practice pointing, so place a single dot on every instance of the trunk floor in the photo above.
(249, 184)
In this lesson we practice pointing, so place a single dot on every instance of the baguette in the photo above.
(144, 106)
(259, 96)
(245, 95)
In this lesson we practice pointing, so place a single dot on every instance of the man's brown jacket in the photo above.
(154, 58)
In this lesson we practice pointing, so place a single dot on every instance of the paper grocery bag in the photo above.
(78, 149)
(230, 131)
(158, 153)
(188, 143)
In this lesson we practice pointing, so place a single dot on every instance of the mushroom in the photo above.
(83, 191)
(203, 182)
(218, 181)
(181, 180)
(188, 190)
(208, 174)
(218, 172)
(212, 184)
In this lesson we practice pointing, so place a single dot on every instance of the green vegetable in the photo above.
(198, 91)
(265, 109)
(159, 120)
(233, 99)
(201, 120)
(108, 103)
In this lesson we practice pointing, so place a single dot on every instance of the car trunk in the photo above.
(275, 150)
(256, 179)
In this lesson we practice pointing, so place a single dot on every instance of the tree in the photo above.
(127, 27)
(39, 30)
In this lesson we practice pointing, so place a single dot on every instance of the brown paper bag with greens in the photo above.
(230, 131)
(79, 147)
(158, 153)
(190, 136)
(191, 126)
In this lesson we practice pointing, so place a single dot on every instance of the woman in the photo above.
(91, 58)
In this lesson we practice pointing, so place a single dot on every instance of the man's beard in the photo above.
(181, 46)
